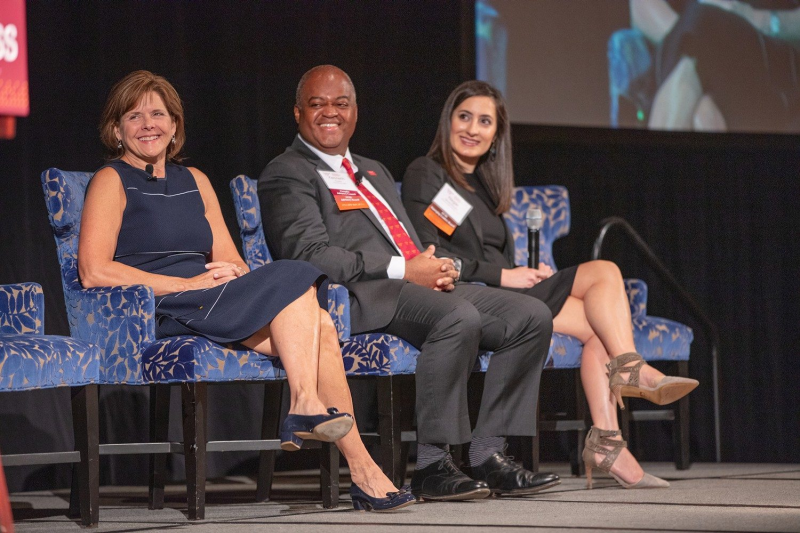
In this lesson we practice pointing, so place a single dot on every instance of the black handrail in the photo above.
(686, 299)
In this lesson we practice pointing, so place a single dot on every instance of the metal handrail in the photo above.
(686, 299)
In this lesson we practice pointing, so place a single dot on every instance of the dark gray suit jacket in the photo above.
(423, 179)
(302, 221)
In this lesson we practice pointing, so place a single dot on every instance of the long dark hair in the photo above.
(497, 170)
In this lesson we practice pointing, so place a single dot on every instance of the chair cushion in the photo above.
(662, 339)
(656, 339)
(378, 354)
(197, 359)
(30, 362)
(565, 352)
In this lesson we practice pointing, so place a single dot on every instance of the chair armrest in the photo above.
(22, 309)
(339, 308)
(120, 320)
(636, 290)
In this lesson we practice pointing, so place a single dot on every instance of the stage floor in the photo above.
(708, 497)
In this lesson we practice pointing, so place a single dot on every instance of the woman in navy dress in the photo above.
(149, 221)
(472, 153)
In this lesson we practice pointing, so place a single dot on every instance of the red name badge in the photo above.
(344, 190)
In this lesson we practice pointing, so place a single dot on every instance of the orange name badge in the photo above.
(448, 209)
(344, 190)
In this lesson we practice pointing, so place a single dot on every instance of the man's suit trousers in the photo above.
(449, 328)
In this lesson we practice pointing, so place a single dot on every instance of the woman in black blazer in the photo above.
(472, 154)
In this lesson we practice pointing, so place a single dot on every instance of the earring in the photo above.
(492, 152)
(173, 139)
(119, 144)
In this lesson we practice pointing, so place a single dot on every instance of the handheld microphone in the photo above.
(534, 220)
(149, 171)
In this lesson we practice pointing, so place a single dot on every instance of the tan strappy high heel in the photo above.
(669, 389)
(599, 441)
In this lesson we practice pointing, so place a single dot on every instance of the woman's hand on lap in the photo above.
(219, 272)
(224, 267)
(545, 271)
(522, 277)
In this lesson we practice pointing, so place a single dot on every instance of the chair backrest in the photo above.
(63, 194)
(553, 200)
(256, 253)
(248, 215)
(119, 320)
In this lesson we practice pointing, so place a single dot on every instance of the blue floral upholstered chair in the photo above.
(391, 360)
(120, 320)
(31, 360)
(656, 339)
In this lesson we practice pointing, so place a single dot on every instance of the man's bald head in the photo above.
(325, 110)
(321, 70)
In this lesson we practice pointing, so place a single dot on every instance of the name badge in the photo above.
(448, 209)
(344, 190)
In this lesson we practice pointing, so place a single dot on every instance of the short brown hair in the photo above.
(497, 171)
(126, 94)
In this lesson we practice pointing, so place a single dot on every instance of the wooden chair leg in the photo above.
(159, 431)
(87, 442)
(194, 400)
(270, 419)
(389, 428)
(329, 475)
(406, 390)
(680, 429)
(580, 413)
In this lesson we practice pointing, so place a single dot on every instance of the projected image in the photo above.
(702, 65)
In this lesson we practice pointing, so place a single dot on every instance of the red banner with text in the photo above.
(13, 59)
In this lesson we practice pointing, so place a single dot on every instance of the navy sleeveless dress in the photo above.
(165, 231)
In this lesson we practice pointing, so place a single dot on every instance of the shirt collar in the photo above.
(333, 161)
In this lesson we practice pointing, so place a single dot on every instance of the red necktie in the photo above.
(399, 235)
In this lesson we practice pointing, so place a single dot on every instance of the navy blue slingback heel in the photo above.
(393, 500)
(327, 428)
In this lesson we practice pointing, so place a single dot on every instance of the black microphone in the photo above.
(534, 220)
(359, 177)
(149, 171)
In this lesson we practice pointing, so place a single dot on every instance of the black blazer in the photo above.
(423, 179)
(302, 221)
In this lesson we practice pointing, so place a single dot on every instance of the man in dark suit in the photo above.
(341, 213)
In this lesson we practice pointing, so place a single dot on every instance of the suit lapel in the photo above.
(319, 164)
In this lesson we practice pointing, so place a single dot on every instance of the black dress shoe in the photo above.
(504, 476)
(442, 481)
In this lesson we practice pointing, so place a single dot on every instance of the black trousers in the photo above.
(449, 329)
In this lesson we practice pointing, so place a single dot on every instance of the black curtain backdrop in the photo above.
(722, 214)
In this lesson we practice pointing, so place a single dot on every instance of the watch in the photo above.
(457, 266)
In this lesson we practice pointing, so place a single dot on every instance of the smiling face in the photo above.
(146, 131)
(473, 126)
(326, 114)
